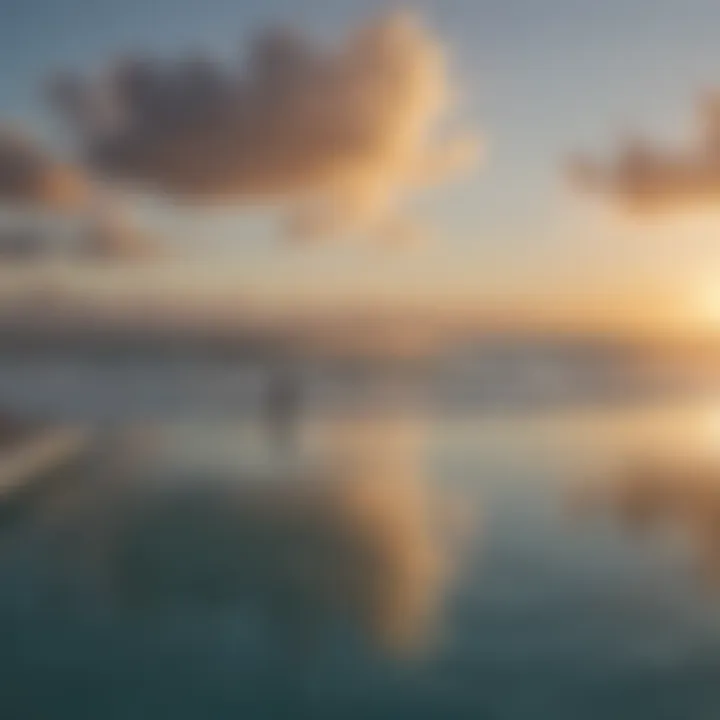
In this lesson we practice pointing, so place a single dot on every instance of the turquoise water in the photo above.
(404, 563)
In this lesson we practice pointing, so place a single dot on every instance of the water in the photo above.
(404, 560)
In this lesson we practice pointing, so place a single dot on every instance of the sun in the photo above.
(705, 304)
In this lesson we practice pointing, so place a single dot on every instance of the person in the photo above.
(282, 405)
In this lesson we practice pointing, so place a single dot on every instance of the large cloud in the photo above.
(337, 135)
(645, 178)
(29, 176)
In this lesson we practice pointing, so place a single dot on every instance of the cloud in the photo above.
(111, 235)
(645, 178)
(104, 238)
(30, 176)
(335, 135)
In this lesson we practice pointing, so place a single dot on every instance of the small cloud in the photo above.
(644, 178)
(112, 236)
(337, 136)
(29, 176)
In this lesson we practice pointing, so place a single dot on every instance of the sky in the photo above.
(537, 79)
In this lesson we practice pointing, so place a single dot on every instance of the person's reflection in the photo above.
(12, 428)
(282, 408)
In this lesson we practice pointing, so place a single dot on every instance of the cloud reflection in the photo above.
(651, 496)
(357, 547)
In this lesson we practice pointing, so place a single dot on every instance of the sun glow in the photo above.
(705, 305)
